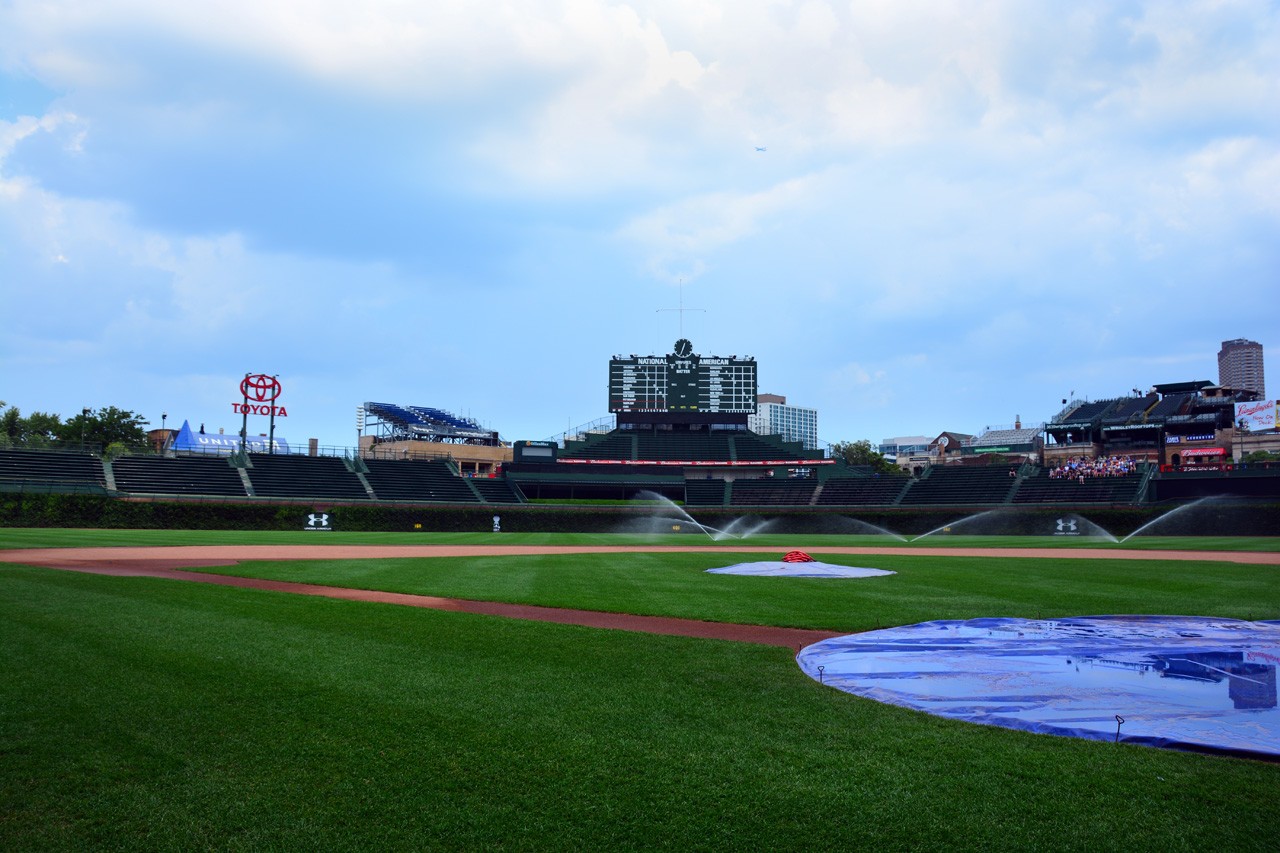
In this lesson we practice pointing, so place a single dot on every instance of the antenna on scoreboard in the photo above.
(682, 309)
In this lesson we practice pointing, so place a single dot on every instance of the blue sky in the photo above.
(966, 211)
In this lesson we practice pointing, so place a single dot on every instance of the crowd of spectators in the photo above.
(1080, 467)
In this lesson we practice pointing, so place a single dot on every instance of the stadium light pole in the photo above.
(244, 420)
(271, 436)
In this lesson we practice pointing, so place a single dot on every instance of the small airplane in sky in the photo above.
(762, 149)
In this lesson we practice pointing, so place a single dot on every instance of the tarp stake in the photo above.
(1119, 723)
(820, 669)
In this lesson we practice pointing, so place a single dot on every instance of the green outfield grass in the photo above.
(74, 538)
(162, 715)
(925, 587)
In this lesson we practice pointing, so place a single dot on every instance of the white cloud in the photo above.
(690, 231)
(943, 177)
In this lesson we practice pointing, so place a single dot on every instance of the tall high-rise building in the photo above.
(1240, 366)
(774, 417)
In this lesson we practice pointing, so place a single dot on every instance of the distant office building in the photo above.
(1240, 366)
(774, 417)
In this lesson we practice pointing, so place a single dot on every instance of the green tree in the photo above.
(1261, 456)
(36, 429)
(862, 452)
(105, 427)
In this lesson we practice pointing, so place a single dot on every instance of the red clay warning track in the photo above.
(172, 562)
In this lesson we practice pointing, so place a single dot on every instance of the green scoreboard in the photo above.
(682, 383)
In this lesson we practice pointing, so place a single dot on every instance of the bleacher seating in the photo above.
(682, 446)
(960, 484)
(496, 490)
(619, 444)
(442, 416)
(323, 477)
(748, 446)
(686, 446)
(1133, 409)
(1088, 411)
(183, 475)
(431, 480)
(392, 412)
(857, 491)
(1204, 420)
(704, 492)
(1041, 488)
(771, 491)
(426, 420)
(1169, 406)
(54, 471)
(1001, 437)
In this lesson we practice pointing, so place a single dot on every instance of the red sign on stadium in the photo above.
(260, 393)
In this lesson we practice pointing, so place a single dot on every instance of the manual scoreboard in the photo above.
(682, 383)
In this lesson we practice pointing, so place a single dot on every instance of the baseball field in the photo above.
(143, 711)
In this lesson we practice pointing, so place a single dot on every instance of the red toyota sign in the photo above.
(260, 388)
(263, 390)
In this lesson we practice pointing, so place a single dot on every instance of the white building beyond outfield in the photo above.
(794, 423)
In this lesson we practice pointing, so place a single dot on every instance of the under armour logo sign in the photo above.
(318, 520)
(1067, 525)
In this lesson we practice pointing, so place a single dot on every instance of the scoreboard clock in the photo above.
(682, 383)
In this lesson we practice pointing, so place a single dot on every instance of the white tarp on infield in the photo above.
(778, 568)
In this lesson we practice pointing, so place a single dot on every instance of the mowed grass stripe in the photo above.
(145, 714)
(924, 589)
(75, 538)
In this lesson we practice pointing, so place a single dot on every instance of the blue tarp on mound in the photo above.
(1177, 681)
(195, 442)
(778, 568)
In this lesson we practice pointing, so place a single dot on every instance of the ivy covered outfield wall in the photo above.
(1211, 518)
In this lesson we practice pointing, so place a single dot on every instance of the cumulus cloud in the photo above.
(950, 179)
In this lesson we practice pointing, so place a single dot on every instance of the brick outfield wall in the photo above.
(1214, 518)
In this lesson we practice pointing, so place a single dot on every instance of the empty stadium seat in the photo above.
(324, 477)
(183, 475)
(51, 470)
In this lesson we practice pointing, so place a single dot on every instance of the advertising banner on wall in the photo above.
(1259, 416)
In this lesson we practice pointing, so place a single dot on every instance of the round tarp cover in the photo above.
(814, 569)
(1175, 681)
